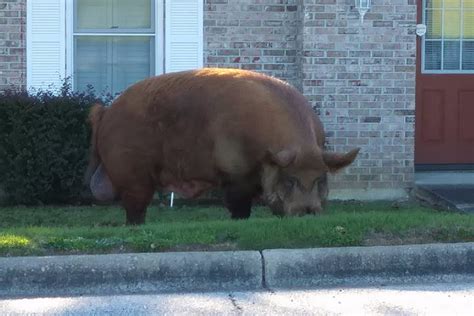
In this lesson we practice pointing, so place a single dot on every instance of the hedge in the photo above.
(44, 144)
(44, 147)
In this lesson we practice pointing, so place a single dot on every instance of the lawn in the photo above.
(100, 229)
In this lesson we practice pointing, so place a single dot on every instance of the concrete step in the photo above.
(452, 197)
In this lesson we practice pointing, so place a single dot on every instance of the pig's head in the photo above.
(295, 181)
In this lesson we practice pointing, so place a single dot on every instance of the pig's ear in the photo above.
(337, 161)
(282, 158)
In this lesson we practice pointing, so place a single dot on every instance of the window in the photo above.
(448, 45)
(110, 44)
(113, 43)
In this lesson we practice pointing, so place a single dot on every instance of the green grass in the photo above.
(66, 230)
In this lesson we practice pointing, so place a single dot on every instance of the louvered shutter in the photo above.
(183, 35)
(46, 52)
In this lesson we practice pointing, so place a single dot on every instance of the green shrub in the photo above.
(44, 148)
(44, 143)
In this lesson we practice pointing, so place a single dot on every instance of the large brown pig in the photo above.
(187, 132)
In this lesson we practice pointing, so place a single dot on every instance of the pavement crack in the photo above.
(264, 274)
(234, 302)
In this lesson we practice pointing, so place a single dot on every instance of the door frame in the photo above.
(419, 63)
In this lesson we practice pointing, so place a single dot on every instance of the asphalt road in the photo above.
(423, 299)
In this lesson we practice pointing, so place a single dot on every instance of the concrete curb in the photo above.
(366, 265)
(232, 270)
(130, 273)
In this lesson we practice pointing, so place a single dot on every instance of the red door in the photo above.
(444, 125)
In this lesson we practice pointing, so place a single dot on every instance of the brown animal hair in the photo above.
(337, 161)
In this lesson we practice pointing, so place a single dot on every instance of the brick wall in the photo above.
(258, 35)
(12, 43)
(359, 78)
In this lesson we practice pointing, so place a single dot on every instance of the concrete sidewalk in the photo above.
(453, 190)
(233, 270)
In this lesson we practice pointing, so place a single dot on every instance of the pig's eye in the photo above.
(289, 183)
(321, 180)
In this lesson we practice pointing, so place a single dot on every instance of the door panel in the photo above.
(444, 124)
(466, 115)
(432, 115)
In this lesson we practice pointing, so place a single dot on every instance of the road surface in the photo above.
(425, 299)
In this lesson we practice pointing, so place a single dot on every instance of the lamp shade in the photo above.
(362, 6)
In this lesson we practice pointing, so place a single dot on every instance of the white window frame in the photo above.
(50, 41)
(158, 35)
(442, 40)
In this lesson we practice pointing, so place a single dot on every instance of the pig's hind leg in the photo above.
(238, 200)
(135, 203)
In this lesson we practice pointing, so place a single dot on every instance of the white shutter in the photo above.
(183, 35)
(45, 26)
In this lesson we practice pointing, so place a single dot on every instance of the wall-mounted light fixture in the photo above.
(362, 6)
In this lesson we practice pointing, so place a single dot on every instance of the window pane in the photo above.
(112, 63)
(132, 14)
(447, 3)
(434, 4)
(468, 24)
(452, 3)
(452, 24)
(433, 23)
(432, 55)
(93, 14)
(451, 55)
(132, 60)
(468, 4)
(91, 63)
(468, 55)
(113, 14)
